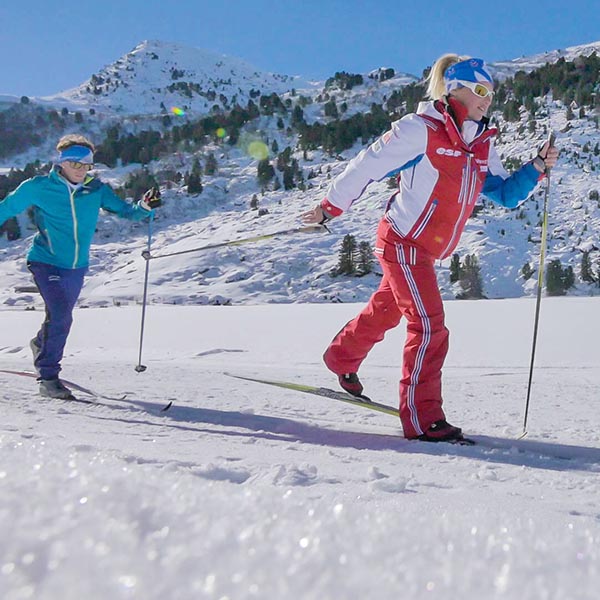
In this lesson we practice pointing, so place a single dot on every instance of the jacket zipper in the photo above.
(466, 191)
(47, 234)
(75, 228)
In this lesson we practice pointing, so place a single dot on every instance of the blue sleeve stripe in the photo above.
(408, 165)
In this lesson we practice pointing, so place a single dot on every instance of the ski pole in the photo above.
(257, 238)
(540, 284)
(140, 368)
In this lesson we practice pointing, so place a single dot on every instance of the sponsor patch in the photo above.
(448, 152)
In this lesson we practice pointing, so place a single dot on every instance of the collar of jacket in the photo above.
(454, 114)
(89, 183)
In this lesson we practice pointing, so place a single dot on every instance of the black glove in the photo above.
(151, 199)
(326, 218)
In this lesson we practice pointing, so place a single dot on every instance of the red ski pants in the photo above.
(408, 289)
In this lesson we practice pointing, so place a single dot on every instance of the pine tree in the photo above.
(297, 116)
(288, 178)
(194, 180)
(139, 182)
(266, 172)
(555, 279)
(210, 166)
(455, 268)
(470, 278)
(365, 259)
(331, 109)
(11, 228)
(347, 256)
(568, 277)
(526, 271)
(586, 275)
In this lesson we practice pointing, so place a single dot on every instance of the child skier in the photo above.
(66, 204)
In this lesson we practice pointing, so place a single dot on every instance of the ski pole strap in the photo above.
(146, 253)
(257, 238)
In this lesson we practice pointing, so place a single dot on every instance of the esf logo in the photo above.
(448, 152)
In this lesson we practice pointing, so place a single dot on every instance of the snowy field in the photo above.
(244, 491)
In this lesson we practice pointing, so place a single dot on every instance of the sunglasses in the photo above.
(80, 166)
(478, 89)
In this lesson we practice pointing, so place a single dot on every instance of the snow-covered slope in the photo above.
(157, 75)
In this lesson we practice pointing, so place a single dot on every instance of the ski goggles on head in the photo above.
(477, 88)
(76, 154)
(473, 70)
(78, 166)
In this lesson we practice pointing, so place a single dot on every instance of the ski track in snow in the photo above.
(243, 490)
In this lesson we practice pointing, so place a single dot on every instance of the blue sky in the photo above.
(46, 47)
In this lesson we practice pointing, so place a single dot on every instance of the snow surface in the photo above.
(242, 490)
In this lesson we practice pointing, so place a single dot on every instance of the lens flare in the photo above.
(177, 111)
(251, 144)
(221, 133)
(258, 150)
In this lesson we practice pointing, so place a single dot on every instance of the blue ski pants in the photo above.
(60, 289)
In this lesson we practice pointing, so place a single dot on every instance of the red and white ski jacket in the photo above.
(443, 170)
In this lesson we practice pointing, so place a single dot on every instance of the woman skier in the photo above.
(444, 158)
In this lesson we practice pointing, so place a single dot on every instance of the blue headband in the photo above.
(76, 153)
(472, 69)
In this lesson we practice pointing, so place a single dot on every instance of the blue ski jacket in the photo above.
(65, 216)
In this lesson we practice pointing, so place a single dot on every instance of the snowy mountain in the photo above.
(507, 68)
(296, 268)
(156, 76)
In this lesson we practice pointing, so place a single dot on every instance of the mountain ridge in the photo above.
(107, 89)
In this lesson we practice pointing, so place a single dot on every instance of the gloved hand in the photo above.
(546, 158)
(151, 199)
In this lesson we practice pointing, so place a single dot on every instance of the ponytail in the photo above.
(436, 87)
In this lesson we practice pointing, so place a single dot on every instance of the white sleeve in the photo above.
(405, 141)
(495, 166)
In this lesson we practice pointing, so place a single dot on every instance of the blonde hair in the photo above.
(74, 139)
(436, 88)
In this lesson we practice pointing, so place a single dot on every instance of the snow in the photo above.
(242, 490)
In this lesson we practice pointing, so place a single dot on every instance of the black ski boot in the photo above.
(351, 384)
(442, 431)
